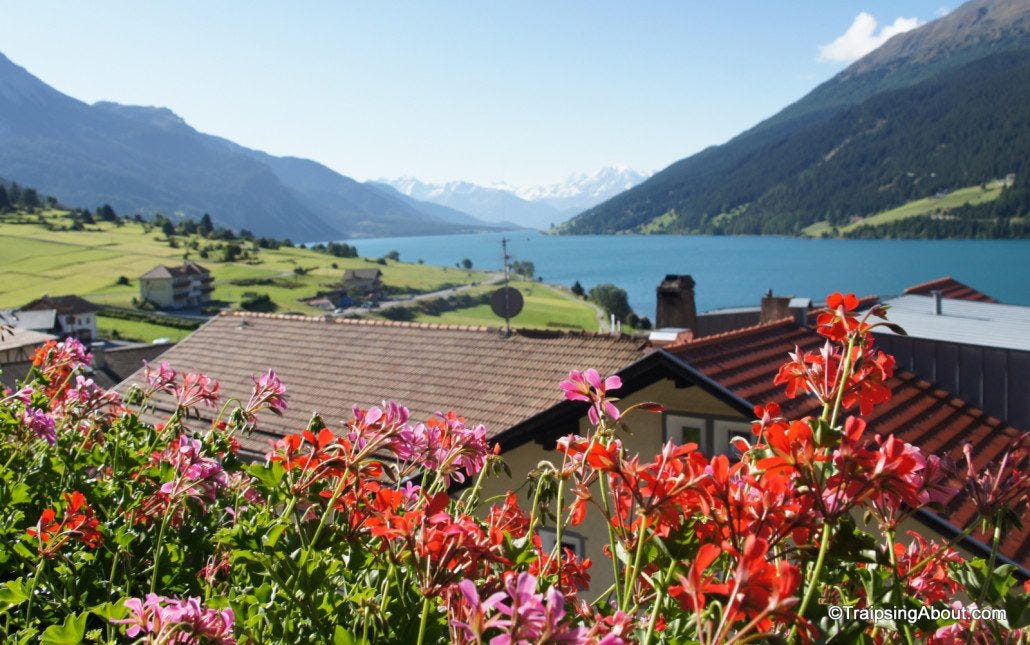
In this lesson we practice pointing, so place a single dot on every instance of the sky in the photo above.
(522, 93)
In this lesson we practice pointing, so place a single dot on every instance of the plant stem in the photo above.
(813, 582)
(32, 587)
(157, 549)
(658, 602)
(426, 603)
(631, 574)
(980, 597)
(559, 521)
(906, 629)
(611, 536)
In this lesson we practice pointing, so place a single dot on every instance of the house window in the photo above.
(725, 431)
(683, 429)
(711, 434)
(569, 540)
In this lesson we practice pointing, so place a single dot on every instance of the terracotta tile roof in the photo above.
(329, 365)
(950, 288)
(746, 361)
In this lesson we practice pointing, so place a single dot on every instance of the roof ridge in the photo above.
(929, 283)
(375, 322)
(743, 331)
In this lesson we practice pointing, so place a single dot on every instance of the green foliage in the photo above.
(612, 299)
(577, 289)
(257, 302)
(524, 268)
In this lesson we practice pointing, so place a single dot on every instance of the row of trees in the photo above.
(14, 197)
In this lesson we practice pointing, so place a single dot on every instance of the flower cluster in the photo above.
(383, 528)
(157, 619)
(78, 523)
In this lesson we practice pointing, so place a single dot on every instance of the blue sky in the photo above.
(516, 92)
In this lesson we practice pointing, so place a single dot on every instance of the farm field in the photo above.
(546, 307)
(972, 195)
(38, 254)
(35, 260)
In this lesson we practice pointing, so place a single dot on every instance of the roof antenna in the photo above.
(506, 302)
(507, 307)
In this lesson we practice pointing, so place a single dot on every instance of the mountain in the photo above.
(438, 211)
(534, 206)
(581, 191)
(940, 107)
(147, 159)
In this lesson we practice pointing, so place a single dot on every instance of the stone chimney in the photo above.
(774, 308)
(676, 306)
(98, 350)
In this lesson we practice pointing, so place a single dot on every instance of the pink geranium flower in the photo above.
(590, 387)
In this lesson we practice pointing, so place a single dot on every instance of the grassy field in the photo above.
(546, 307)
(89, 263)
(972, 195)
(34, 260)
(116, 328)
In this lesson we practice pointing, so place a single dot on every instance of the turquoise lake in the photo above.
(734, 271)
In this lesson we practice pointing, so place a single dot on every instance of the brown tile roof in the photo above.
(362, 274)
(184, 270)
(329, 365)
(745, 361)
(950, 288)
(64, 305)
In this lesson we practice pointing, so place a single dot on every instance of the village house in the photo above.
(70, 316)
(188, 285)
(362, 282)
(708, 385)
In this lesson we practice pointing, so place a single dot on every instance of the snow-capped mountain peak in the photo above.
(535, 206)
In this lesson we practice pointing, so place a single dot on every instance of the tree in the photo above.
(466, 264)
(612, 299)
(523, 268)
(577, 289)
(168, 228)
(393, 255)
(30, 199)
(106, 213)
(206, 226)
(5, 202)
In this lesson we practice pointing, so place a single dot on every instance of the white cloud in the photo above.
(862, 38)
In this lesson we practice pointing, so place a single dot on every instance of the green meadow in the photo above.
(971, 195)
(39, 255)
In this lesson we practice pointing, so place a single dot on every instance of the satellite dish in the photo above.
(506, 302)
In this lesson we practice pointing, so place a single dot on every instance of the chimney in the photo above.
(99, 361)
(936, 301)
(774, 308)
(676, 303)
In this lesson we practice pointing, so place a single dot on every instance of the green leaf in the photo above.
(111, 610)
(72, 631)
(273, 535)
(343, 637)
(13, 593)
(23, 551)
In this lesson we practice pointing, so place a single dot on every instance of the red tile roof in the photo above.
(949, 288)
(745, 361)
(329, 365)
